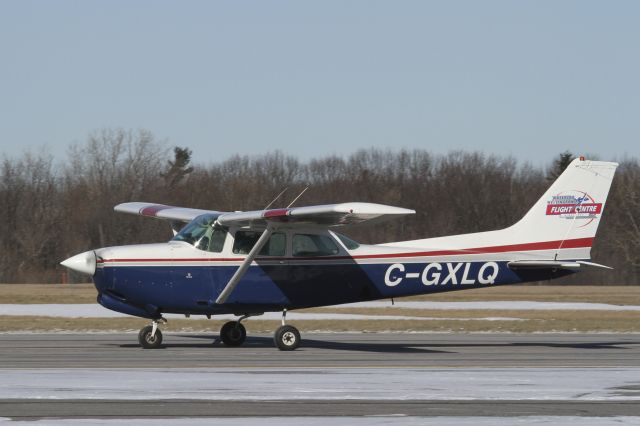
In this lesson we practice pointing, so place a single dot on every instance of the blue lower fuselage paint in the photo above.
(272, 287)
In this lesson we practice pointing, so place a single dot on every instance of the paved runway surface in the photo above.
(526, 357)
(113, 350)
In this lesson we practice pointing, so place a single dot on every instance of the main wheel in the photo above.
(233, 333)
(287, 338)
(149, 341)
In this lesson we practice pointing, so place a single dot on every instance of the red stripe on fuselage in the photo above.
(547, 245)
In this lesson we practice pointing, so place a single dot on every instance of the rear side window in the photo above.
(313, 245)
(276, 246)
(245, 240)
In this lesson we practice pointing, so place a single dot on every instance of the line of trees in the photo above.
(49, 210)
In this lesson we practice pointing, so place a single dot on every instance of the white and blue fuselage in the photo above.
(247, 263)
(176, 277)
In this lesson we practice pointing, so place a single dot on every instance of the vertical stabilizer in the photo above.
(570, 210)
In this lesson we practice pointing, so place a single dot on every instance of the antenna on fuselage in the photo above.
(276, 199)
(299, 195)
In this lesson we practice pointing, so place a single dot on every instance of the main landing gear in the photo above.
(150, 336)
(286, 337)
(233, 333)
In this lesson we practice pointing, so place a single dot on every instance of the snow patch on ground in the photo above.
(493, 305)
(97, 311)
(343, 421)
(591, 384)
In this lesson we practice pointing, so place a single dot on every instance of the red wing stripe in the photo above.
(547, 245)
(275, 213)
(153, 210)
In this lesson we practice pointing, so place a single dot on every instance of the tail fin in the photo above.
(569, 212)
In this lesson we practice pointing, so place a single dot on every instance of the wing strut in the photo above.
(237, 276)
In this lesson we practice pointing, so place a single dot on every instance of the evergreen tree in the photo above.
(179, 167)
(559, 165)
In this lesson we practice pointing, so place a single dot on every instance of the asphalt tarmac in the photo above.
(377, 350)
(387, 352)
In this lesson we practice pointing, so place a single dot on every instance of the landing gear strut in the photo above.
(286, 337)
(150, 336)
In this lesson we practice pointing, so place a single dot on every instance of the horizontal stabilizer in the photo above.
(595, 265)
(543, 264)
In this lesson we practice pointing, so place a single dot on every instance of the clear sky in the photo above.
(528, 79)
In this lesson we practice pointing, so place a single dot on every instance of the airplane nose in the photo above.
(83, 262)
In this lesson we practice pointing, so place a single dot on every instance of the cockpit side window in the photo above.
(217, 239)
(213, 239)
(245, 240)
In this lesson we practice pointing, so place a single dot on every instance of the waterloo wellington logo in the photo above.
(573, 205)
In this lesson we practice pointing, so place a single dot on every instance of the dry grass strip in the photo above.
(617, 295)
(528, 322)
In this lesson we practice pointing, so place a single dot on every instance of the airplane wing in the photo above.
(161, 211)
(327, 215)
(324, 215)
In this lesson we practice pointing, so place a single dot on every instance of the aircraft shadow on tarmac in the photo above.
(267, 342)
(394, 346)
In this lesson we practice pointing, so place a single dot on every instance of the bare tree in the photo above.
(50, 212)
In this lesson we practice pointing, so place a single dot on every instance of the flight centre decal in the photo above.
(450, 273)
(574, 205)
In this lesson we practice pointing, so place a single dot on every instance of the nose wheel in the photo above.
(286, 337)
(150, 337)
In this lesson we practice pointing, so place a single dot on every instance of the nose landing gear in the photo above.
(287, 338)
(150, 336)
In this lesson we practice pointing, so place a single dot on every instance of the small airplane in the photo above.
(277, 260)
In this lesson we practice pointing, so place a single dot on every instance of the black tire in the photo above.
(233, 334)
(148, 341)
(287, 338)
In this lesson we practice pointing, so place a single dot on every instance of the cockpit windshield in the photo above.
(203, 234)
